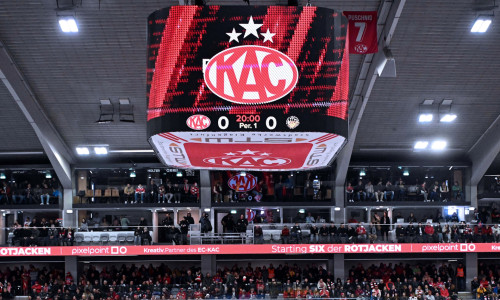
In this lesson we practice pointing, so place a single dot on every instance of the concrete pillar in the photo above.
(470, 268)
(205, 189)
(155, 227)
(336, 265)
(470, 188)
(71, 265)
(208, 264)
(69, 219)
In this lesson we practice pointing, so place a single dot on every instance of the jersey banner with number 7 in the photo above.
(247, 87)
(362, 31)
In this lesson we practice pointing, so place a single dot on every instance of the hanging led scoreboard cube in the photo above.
(247, 88)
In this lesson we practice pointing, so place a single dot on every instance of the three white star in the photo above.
(248, 151)
(268, 36)
(233, 36)
(251, 28)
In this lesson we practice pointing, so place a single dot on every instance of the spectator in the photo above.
(241, 224)
(205, 224)
(456, 189)
(350, 192)
(379, 192)
(361, 233)
(217, 192)
(45, 197)
(195, 193)
(140, 192)
(227, 223)
(258, 235)
(389, 191)
(84, 226)
(128, 191)
(444, 192)
(314, 238)
(285, 235)
(370, 191)
(296, 233)
(152, 191)
(169, 193)
(125, 223)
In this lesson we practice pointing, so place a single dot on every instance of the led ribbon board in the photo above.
(247, 88)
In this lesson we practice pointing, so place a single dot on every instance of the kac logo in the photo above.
(241, 183)
(198, 122)
(247, 159)
(251, 74)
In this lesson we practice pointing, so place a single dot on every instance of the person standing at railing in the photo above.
(258, 235)
(184, 227)
(285, 235)
(205, 224)
(296, 233)
(241, 224)
(314, 234)
(323, 234)
(228, 223)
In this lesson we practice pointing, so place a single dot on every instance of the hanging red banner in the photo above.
(362, 31)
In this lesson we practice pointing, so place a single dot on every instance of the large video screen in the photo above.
(247, 88)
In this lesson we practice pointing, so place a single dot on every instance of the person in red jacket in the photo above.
(429, 231)
(37, 287)
(140, 191)
(195, 192)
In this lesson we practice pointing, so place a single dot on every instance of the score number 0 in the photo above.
(223, 123)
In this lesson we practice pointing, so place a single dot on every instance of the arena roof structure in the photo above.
(53, 82)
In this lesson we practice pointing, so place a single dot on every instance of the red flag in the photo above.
(362, 31)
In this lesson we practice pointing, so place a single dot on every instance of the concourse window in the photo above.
(255, 186)
(138, 186)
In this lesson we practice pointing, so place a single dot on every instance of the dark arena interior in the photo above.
(249, 149)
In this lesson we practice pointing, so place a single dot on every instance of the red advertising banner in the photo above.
(249, 249)
(362, 31)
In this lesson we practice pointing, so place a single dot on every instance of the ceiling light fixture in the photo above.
(481, 24)
(362, 173)
(101, 150)
(447, 118)
(419, 145)
(2, 176)
(425, 118)
(82, 150)
(68, 24)
(179, 174)
(48, 175)
(243, 173)
(132, 174)
(439, 145)
(406, 172)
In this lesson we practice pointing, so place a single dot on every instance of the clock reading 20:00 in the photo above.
(247, 122)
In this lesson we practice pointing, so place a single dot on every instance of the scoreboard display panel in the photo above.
(247, 87)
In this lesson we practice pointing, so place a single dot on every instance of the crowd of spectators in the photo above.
(400, 191)
(48, 192)
(384, 281)
(43, 232)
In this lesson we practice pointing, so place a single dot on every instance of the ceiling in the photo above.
(436, 56)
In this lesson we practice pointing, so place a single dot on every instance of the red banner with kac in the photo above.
(249, 249)
(362, 31)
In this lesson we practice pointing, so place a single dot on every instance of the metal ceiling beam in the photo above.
(54, 146)
(484, 151)
(389, 14)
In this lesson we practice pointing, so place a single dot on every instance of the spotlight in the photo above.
(132, 174)
(82, 150)
(425, 118)
(448, 118)
(100, 150)
(421, 145)
(68, 24)
(438, 145)
(481, 24)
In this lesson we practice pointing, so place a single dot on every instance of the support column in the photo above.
(69, 219)
(470, 268)
(71, 266)
(205, 189)
(208, 264)
(155, 227)
(470, 188)
(336, 265)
